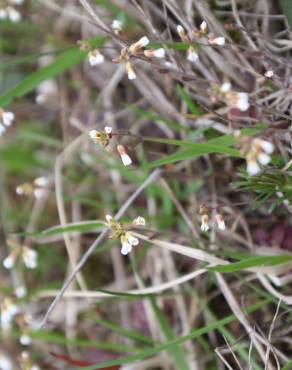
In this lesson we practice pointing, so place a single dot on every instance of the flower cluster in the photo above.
(38, 188)
(204, 32)
(133, 50)
(6, 119)
(204, 211)
(103, 138)
(9, 12)
(119, 231)
(192, 55)
(255, 150)
(28, 255)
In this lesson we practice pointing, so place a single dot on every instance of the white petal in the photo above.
(39, 193)
(109, 218)
(126, 248)
(13, 15)
(242, 102)
(117, 24)
(108, 129)
(95, 57)
(25, 340)
(225, 87)
(5, 362)
(221, 225)
(41, 181)
(40, 99)
(8, 262)
(180, 29)
(267, 146)
(203, 26)
(139, 221)
(264, 158)
(219, 41)
(143, 41)
(3, 14)
(93, 134)
(7, 118)
(131, 74)
(204, 227)
(192, 56)
(20, 291)
(127, 161)
(132, 239)
(159, 53)
(253, 168)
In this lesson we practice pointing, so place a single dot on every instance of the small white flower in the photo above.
(46, 90)
(30, 257)
(205, 223)
(109, 218)
(6, 117)
(9, 261)
(242, 101)
(266, 146)
(225, 87)
(269, 73)
(157, 53)
(127, 161)
(20, 291)
(220, 221)
(139, 221)
(13, 14)
(8, 311)
(41, 181)
(220, 41)
(253, 168)
(203, 26)
(3, 14)
(25, 340)
(5, 362)
(95, 57)
(126, 247)
(39, 193)
(130, 71)
(35, 367)
(134, 48)
(117, 26)
(2, 129)
(192, 55)
(132, 239)
(180, 30)
(94, 136)
(108, 129)
(263, 158)
(144, 41)
(19, 190)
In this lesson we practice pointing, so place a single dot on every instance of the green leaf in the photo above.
(193, 108)
(194, 334)
(252, 262)
(63, 62)
(69, 228)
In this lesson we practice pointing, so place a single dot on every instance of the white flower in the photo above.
(220, 41)
(2, 129)
(192, 55)
(30, 257)
(41, 181)
(203, 26)
(5, 362)
(134, 48)
(20, 291)
(108, 129)
(128, 241)
(242, 101)
(13, 14)
(109, 218)
(225, 87)
(180, 30)
(8, 311)
(39, 193)
(3, 14)
(130, 71)
(253, 168)
(25, 340)
(220, 221)
(9, 261)
(95, 57)
(266, 146)
(127, 161)
(117, 26)
(205, 223)
(6, 117)
(269, 73)
(157, 53)
(139, 221)
(46, 90)
(263, 158)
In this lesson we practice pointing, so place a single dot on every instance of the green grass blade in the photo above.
(194, 334)
(63, 62)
